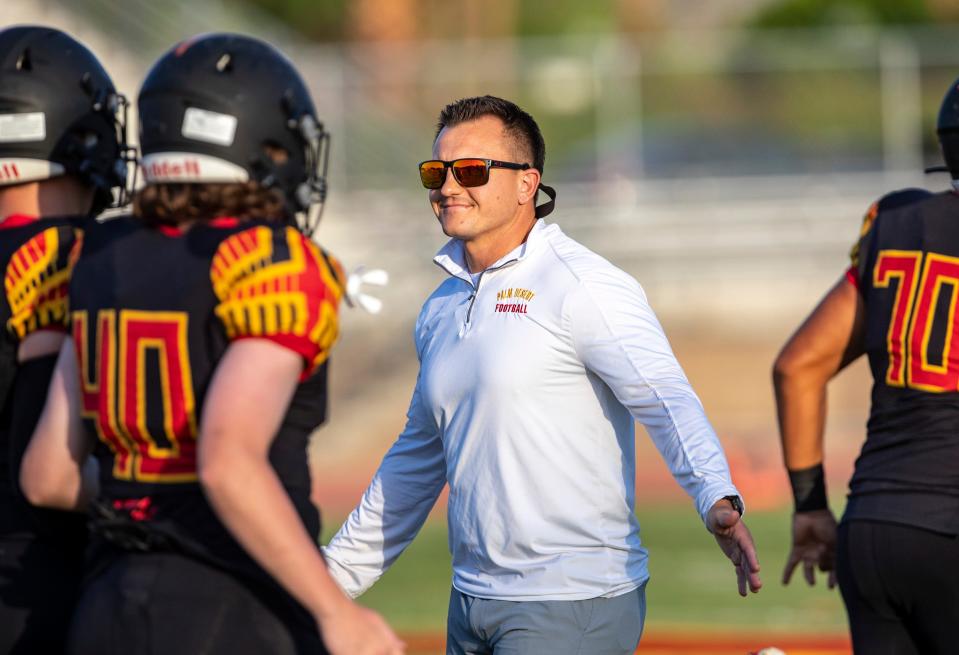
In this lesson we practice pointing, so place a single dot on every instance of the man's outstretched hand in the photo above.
(814, 544)
(736, 542)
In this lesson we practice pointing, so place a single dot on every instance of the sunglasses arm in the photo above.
(547, 207)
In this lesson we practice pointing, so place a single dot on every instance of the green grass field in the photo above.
(692, 586)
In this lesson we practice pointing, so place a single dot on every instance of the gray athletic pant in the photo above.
(598, 626)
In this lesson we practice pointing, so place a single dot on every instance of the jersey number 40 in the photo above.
(148, 422)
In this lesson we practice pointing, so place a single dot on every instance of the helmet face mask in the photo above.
(60, 114)
(311, 194)
(226, 108)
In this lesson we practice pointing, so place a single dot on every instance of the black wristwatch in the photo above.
(737, 503)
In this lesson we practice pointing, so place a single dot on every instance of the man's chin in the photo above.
(455, 229)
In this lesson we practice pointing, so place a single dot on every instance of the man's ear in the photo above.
(528, 184)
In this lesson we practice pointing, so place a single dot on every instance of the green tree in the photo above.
(323, 20)
(815, 13)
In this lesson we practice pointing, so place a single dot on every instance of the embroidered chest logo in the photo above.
(513, 300)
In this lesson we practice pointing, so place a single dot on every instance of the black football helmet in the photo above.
(60, 114)
(947, 128)
(222, 108)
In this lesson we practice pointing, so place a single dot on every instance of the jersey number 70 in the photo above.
(152, 435)
(918, 287)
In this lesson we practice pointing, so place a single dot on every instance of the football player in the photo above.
(895, 552)
(201, 326)
(61, 157)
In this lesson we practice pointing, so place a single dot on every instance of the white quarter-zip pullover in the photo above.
(525, 402)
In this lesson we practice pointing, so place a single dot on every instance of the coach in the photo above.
(536, 355)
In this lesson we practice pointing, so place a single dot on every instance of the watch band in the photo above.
(737, 503)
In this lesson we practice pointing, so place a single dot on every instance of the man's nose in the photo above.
(450, 185)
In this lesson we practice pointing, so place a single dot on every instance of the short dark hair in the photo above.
(518, 123)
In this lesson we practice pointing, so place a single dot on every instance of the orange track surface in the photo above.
(666, 644)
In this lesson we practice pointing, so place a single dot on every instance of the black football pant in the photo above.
(901, 588)
(39, 582)
(160, 603)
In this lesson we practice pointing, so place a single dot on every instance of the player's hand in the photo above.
(356, 630)
(814, 544)
(736, 542)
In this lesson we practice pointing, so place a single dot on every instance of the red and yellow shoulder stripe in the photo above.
(37, 280)
(867, 222)
(275, 283)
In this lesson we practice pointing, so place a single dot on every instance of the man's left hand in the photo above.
(734, 539)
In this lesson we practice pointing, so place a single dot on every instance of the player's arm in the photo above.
(828, 340)
(37, 295)
(394, 506)
(618, 337)
(57, 470)
(44, 343)
(36, 281)
(37, 357)
(245, 405)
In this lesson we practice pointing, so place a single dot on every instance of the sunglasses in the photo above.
(467, 172)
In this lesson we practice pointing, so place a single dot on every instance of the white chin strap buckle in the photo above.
(357, 297)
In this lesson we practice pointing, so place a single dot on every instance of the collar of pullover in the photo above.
(452, 257)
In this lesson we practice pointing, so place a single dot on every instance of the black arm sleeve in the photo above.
(28, 398)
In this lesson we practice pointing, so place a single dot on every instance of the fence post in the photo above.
(900, 104)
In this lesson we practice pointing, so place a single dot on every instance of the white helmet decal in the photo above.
(17, 170)
(190, 167)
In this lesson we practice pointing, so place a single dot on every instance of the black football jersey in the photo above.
(906, 267)
(36, 258)
(152, 312)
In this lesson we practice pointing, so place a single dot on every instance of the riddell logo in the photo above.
(9, 172)
(187, 168)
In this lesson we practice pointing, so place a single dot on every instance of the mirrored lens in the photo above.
(471, 172)
(432, 174)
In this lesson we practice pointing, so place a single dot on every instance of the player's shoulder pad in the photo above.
(274, 282)
(335, 266)
(101, 234)
(902, 198)
(37, 279)
(263, 254)
(891, 202)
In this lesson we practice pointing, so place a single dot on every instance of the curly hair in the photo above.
(175, 203)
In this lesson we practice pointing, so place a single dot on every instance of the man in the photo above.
(61, 148)
(536, 356)
(895, 552)
(195, 375)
